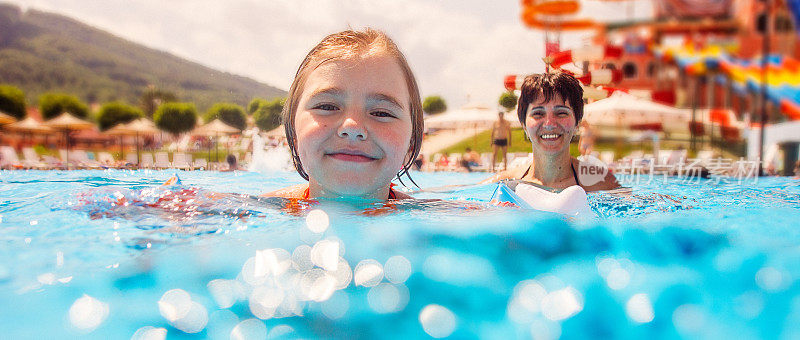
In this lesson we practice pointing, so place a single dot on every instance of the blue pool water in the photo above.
(112, 254)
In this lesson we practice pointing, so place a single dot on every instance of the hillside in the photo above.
(42, 52)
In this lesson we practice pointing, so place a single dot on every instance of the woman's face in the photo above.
(353, 125)
(550, 126)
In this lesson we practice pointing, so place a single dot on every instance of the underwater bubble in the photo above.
(618, 278)
(317, 221)
(689, 318)
(639, 308)
(368, 273)
(317, 285)
(194, 321)
(273, 261)
(526, 301)
(150, 333)
(384, 298)
(325, 254)
(771, 279)
(562, 304)
(542, 329)
(249, 329)
(343, 274)
(301, 258)
(336, 307)
(248, 273)
(437, 321)
(174, 304)
(223, 292)
(749, 305)
(280, 332)
(86, 313)
(397, 269)
(264, 301)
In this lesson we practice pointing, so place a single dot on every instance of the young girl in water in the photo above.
(353, 118)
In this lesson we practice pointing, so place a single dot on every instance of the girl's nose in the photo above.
(352, 129)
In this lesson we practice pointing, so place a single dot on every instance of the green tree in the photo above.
(176, 118)
(508, 100)
(228, 113)
(255, 104)
(53, 104)
(433, 105)
(152, 98)
(268, 115)
(12, 101)
(117, 112)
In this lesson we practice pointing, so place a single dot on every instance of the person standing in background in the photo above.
(501, 139)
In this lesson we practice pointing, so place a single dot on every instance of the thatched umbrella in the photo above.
(6, 119)
(30, 126)
(67, 122)
(215, 128)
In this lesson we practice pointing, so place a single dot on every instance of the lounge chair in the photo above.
(81, 158)
(131, 160)
(106, 159)
(31, 160)
(9, 158)
(162, 161)
(181, 160)
(147, 161)
(200, 163)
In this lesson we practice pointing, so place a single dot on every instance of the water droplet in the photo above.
(437, 321)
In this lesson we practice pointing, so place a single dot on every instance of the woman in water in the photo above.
(353, 118)
(550, 108)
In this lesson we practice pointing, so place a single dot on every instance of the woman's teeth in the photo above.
(551, 136)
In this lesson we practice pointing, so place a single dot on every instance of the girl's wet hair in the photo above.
(543, 88)
(344, 45)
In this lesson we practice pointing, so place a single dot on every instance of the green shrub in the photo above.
(116, 112)
(228, 113)
(268, 115)
(255, 104)
(508, 100)
(176, 118)
(12, 101)
(53, 104)
(433, 105)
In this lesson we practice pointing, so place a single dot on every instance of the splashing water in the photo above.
(269, 160)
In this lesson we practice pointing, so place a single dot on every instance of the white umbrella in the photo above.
(622, 109)
(467, 116)
(30, 126)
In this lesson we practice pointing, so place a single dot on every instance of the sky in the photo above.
(458, 49)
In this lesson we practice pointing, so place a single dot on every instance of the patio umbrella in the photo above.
(121, 130)
(67, 122)
(142, 126)
(622, 109)
(5, 118)
(215, 128)
(30, 126)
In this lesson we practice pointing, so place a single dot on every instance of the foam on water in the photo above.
(110, 254)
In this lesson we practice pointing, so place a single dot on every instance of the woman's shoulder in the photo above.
(295, 191)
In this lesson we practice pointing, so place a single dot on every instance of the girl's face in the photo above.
(353, 126)
(550, 126)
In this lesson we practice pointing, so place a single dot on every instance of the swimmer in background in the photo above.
(470, 159)
(353, 118)
(501, 139)
(232, 164)
(550, 108)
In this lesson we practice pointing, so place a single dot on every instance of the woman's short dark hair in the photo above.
(545, 86)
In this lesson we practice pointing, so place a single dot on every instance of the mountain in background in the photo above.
(44, 52)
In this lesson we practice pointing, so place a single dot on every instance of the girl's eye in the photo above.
(537, 113)
(563, 113)
(325, 107)
(382, 114)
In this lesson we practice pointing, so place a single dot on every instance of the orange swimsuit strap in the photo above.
(392, 195)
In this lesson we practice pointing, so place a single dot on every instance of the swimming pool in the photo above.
(714, 259)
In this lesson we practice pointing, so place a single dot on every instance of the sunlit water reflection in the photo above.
(112, 254)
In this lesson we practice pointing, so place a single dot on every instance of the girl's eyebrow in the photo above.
(555, 107)
(372, 97)
(380, 97)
